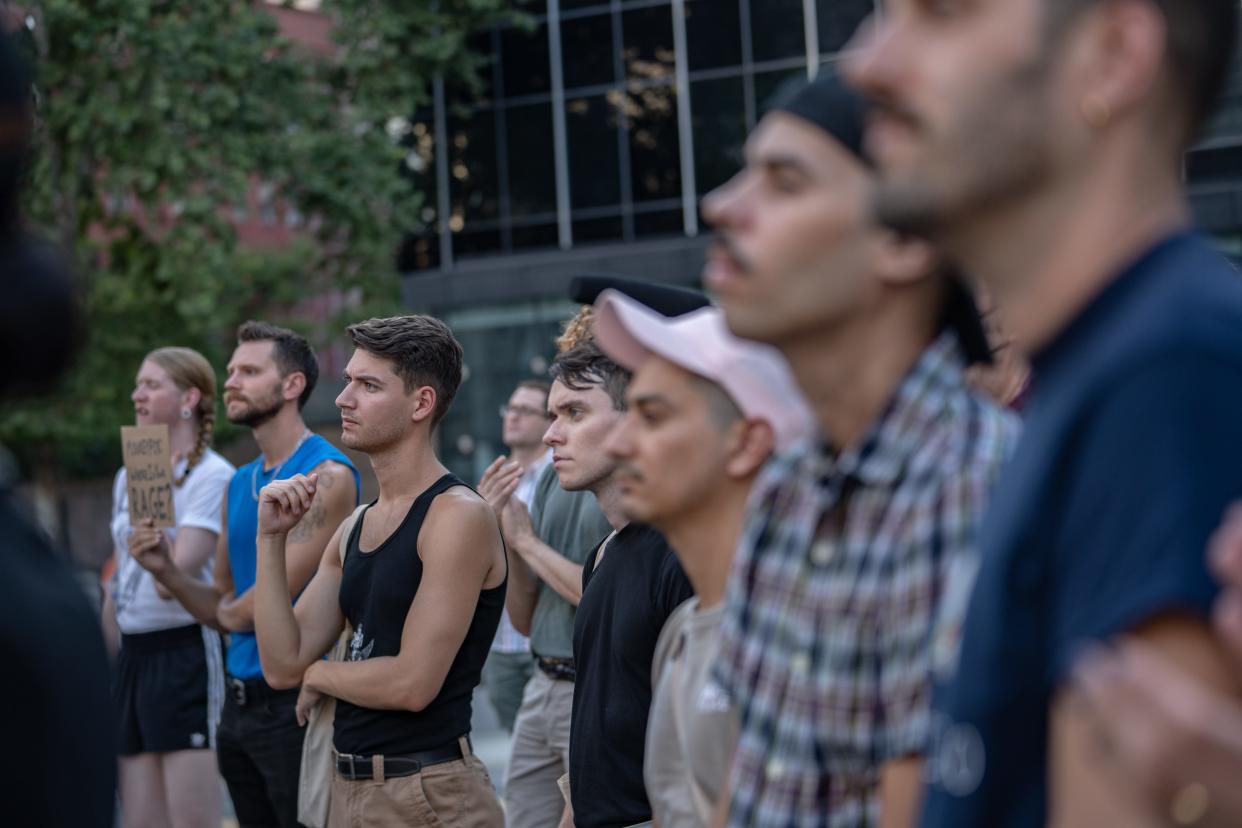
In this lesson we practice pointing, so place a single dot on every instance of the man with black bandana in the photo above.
(827, 640)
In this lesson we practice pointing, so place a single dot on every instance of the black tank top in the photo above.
(377, 589)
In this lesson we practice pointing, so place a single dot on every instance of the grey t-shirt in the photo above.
(693, 727)
(572, 524)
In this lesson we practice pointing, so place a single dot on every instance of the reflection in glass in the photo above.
(586, 51)
(718, 119)
(532, 170)
(655, 171)
(838, 19)
(524, 57)
(594, 166)
(474, 184)
(713, 34)
(777, 29)
(647, 38)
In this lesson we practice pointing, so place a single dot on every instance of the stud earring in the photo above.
(186, 413)
(1096, 112)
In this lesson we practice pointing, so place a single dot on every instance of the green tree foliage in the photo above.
(157, 119)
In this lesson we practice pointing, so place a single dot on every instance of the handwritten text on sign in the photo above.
(148, 470)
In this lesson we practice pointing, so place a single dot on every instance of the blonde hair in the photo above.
(577, 330)
(189, 369)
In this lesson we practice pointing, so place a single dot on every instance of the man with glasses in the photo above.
(525, 418)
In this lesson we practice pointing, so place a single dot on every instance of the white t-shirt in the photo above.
(196, 502)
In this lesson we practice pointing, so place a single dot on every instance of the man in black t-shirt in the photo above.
(631, 583)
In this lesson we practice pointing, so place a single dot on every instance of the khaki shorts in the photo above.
(457, 794)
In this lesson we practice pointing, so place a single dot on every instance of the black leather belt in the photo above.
(244, 692)
(561, 669)
(352, 766)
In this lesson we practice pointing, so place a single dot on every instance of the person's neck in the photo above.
(705, 539)
(406, 469)
(182, 438)
(527, 456)
(848, 375)
(1047, 257)
(608, 495)
(279, 437)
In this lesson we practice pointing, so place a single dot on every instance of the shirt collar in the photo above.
(880, 458)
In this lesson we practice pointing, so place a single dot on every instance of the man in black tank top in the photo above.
(631, 583)
(421, 590)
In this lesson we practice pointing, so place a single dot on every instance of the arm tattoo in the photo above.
(310, 522)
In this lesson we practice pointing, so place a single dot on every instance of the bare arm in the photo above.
(1087, 788)
(176, 570)
(522, 594)
(333, 502)
(291, 639)
(901, 792)
(462, 555)
(550, 566)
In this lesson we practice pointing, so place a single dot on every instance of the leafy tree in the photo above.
(158, 118)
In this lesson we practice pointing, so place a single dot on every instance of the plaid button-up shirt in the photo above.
(828, 624)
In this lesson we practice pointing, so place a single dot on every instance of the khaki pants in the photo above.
(455, 794)
(540, 754)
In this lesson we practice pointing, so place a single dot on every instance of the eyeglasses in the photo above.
(522, 411)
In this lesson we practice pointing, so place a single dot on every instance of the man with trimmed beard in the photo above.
(259, 742)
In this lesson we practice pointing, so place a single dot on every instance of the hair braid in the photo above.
(206, 429)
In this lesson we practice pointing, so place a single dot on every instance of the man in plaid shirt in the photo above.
(828, 632)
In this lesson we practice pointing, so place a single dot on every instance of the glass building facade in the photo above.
(596, 131)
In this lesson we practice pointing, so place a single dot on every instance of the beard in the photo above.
(997, 152)
(259, 412)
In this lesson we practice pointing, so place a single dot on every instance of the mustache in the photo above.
(890, 107)
(723, 245)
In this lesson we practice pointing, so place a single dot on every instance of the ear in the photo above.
(904, 260)
(749, 445)
(1120, 54)
(424, 403)
(292, 386)
(190, 398)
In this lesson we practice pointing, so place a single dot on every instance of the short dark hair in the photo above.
(1200, 45)
(424, 350)
(585, 365)
(542, 386)
(290, 350)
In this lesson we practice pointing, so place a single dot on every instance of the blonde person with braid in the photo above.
(169, 682)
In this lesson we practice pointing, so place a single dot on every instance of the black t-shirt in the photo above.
(377, 590)
(624, 605)
(59, 767)
(1129, 456)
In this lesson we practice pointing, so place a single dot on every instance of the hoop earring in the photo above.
(1096, 112)
(186, 413)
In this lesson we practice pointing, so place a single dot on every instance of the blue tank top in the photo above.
(243, 517)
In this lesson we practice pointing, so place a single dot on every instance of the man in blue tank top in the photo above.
(420, 591)
(259, 743)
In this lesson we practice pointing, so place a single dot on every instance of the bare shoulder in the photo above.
(459, 520)
(333, 474)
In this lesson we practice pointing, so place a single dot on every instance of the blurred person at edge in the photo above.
(705, 410)
(863, 532)
(169, 683)
(524, 418)
(54, 707)
(1039, 144)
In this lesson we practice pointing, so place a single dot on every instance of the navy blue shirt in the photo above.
(1129, 457)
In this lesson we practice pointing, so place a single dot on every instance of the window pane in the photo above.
(778, 29)
(594, 166)
(473, 183)
(470, 243)
(567, 5)
(713, 34)
(766, 84)
(837, 20)
(592, 230)
(525, 61)
(539, 235)
(718, 121)
(586, 49)
(419, 251)
(483, 44)
(655, 171)
(532, 171)
(647, 37)
(662, 223)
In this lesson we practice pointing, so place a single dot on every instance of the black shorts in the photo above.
(168, 690)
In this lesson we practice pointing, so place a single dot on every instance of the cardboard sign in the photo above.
(148, 472)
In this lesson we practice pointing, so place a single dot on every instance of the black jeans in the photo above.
(259, 750)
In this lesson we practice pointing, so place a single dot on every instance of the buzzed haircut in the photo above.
(1200, 45)
(585, 366)
(425, 352)
(290, 351)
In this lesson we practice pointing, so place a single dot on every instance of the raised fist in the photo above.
(282, 503)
